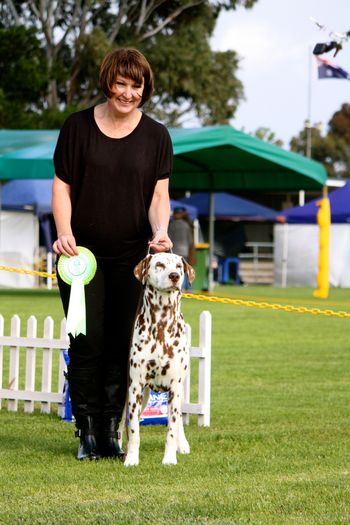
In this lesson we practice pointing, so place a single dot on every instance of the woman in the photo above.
(110, 194)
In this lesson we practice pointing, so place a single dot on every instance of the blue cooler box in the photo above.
(156, 411)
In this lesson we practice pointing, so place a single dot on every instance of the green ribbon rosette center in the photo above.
(77, 271)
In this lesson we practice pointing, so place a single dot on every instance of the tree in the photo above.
(268, 136)
(339, 125)
(75, 35)
(191, 79)
(24, 81)
(332, 149)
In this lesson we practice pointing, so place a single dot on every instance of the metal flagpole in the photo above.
(308, 126)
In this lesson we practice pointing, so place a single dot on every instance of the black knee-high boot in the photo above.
(109, 438)
(114, 394)
(84, 387)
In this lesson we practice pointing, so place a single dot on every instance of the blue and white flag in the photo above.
(328, 70)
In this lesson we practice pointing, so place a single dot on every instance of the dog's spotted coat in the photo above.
(159, 354)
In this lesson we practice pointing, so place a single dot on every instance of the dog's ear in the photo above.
(189, 271)
(141, 269)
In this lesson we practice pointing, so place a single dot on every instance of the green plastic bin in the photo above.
(201, 267)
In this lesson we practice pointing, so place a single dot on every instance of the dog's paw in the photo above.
(131, 460)
(169, 459)
(183, 447)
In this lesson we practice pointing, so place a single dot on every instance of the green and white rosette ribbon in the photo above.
(77, 271)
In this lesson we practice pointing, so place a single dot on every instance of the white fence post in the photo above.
(187, 382)
(1, 353)
(204, 386)
(62, 364)
(30, 363)
(14, 342)
(45, 396)
(203, 352)
(14, 362)
(47, 365)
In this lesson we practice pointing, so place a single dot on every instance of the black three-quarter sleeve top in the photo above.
(112, 183)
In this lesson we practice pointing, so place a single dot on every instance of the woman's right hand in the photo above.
(65, 245)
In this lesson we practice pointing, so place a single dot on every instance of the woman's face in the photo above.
(126, 94)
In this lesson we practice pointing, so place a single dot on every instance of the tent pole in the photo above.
(285, 255)
(211, 240)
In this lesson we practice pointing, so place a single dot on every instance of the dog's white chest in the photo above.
(159, 351)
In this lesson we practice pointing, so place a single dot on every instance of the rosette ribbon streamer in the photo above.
(77, 271)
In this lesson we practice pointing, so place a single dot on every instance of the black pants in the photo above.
(100, 358)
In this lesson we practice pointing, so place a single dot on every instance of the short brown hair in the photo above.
(129, 63)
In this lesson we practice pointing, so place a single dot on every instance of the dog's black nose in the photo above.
(174, 276)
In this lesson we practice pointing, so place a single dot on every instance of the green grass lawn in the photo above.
(277, 451)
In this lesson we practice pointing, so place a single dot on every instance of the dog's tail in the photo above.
(126, 415)
(123, 424)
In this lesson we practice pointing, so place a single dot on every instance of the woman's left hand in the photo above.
(160, 242)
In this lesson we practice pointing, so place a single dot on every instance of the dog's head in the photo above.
(164, 271)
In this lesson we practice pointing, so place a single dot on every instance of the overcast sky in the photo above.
(274, 41)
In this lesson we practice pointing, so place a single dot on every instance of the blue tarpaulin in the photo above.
(35, 194)
(230, 207)
(28, 194)
(340, 209)
(31, 195)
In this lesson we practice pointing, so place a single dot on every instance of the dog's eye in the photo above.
(160, 265)
(179, 266)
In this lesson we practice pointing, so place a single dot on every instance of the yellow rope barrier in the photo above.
(254, 304)
(28, 272)
(223, 300)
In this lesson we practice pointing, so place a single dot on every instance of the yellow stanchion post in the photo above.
(324, 222)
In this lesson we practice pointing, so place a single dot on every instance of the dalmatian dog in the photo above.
(159, 355)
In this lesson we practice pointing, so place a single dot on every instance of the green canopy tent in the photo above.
(209, 159)
(214, 158)
(223, 159)
(27, 154)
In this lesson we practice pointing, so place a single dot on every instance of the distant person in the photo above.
(180, 232)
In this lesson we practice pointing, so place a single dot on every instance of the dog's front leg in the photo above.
(174, 413)
(134, 411)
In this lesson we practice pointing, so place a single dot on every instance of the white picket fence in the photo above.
(27, 346)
